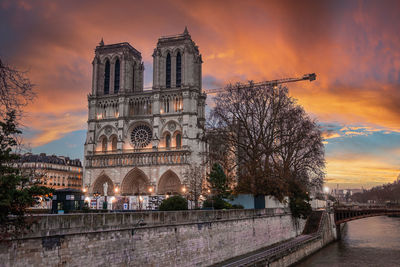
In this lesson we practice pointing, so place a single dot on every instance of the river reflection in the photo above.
(372, 241)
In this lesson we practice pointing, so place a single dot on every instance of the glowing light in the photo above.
(140, 198)
(150, 189)
(183, 189)
(116, 190)
(84, 190)
(326, 189)
(87, 199)
(112, 199)
(166, 196)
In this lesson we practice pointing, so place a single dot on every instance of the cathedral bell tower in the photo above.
(177, 63)
(117, 68)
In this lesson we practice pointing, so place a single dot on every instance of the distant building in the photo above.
(56, 172)
(345, 194)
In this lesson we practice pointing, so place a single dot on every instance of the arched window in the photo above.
(114, 143)
(116, 76)
(178, 70)
(168, 71)
(168, 140)
(178, 140)
(104, 144)
(107, 78)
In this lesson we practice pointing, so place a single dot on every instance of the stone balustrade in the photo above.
(138, 158)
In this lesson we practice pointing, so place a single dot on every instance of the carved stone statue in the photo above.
(105, 187)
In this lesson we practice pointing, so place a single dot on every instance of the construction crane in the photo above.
(311, 77)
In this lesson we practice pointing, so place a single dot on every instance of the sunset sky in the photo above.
(352, 46)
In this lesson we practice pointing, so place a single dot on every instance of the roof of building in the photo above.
(165, 40)
(104, 48)
(42, 157)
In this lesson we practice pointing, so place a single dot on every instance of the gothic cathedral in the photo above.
(140, 142)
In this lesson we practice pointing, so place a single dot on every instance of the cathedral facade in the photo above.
(141, 142)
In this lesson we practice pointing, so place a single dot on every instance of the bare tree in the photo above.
(16, 90)
(270, 136)
(193, 179)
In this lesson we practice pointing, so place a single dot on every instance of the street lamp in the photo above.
(184, 193)
(211, 196)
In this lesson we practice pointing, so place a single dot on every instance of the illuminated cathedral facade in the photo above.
(141, 142)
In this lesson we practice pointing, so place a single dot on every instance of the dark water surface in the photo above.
(372, 241)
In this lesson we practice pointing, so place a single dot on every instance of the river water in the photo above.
(372, 241)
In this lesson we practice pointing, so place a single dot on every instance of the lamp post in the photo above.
(185, 195)
(211, 196)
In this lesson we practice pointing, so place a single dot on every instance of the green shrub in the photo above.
(217, 203)
(174, 203)
(299, 201)
(237, 206)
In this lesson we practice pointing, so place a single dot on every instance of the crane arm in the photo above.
(311, 77)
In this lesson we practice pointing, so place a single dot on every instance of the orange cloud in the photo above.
(360, 169)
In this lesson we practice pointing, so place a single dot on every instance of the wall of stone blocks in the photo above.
(186, 238)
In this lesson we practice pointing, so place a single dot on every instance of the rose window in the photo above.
(141, 136)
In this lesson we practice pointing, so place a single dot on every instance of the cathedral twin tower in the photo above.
(140, 142)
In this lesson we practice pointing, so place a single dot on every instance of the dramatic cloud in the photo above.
(352, 46)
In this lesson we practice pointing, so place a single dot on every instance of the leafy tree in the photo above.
(17, 192)
(174, 203)
(218, 182)
(380, 194)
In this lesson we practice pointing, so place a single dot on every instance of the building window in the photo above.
(104, 144)
(178, 104)
(178, 70)
(168, 140)
(114, 143)
(168, 71)
(178, 140)
(107, 78)
(116, 76)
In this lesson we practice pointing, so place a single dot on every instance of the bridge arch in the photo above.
(346, 215)
(135, 182)
(169, 183)
(98, 185)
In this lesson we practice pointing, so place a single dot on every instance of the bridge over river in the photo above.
(345, 214)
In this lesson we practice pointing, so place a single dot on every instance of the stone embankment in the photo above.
(319, 231)
(181, 238)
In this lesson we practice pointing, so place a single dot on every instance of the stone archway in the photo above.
(98, 185)
(135, 183)
(169, 183)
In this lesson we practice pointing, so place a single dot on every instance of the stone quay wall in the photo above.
(178, 238)
(327, 235)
